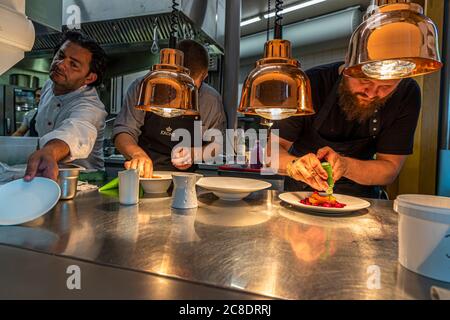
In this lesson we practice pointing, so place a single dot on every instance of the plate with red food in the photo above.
(321, 202)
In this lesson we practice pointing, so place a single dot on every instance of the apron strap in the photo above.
(33, 132)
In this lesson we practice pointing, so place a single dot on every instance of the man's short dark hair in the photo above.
(99, 57)
(196, 57)
(36, 90)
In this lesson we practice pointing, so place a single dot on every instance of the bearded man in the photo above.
(363, 128)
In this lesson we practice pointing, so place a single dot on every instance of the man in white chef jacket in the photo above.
(71, 118)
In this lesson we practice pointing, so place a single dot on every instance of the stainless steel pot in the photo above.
(68, 180)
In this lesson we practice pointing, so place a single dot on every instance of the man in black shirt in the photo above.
(363, 128)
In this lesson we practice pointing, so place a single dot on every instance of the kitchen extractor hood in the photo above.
(45, 14)
(16, 33)
(118, 24)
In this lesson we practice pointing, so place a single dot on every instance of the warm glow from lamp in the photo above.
(395, 41)
(277, 88)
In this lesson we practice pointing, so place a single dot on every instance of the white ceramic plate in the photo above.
(158, 185)
(353, 204)
(25, 201)
(232, 189)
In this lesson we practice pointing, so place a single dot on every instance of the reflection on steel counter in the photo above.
(259, 245)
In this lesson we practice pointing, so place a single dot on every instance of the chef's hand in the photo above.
(308, 169)
(337, 162)
(42, 164)
(182, 158)
(141, 162)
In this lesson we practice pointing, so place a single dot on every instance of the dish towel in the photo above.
(11, 173)
(85, 186)
(112, 189)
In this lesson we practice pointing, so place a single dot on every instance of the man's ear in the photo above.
(91, 78)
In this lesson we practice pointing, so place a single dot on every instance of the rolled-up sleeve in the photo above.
(79, 131)
(130, 120)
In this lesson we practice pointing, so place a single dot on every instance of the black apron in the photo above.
(32, 129)
(362, 149)
(155, 138)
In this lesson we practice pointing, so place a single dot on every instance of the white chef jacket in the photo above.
(78, 119)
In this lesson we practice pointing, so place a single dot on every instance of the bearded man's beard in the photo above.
(353, 109)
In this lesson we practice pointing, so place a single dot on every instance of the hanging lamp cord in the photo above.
(278, 19)
(269, 3)
(174, 22)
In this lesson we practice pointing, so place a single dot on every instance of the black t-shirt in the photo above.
(398, 117)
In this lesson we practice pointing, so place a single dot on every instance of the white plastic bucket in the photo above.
(424, 235)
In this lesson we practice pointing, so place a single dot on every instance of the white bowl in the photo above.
(157, 185)
(424, 235)
(232, 189)
(231, 196)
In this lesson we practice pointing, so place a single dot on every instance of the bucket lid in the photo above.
(432, 208)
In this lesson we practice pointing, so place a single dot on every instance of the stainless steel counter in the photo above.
(256, 246)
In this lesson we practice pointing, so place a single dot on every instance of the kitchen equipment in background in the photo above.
(352, 204)
(68, 180)
(159, 184)
(25, 201)
(424, 235)
(129, 187)
(17, 150)
(15, 102)
(396, 40)
(232, 189)
(168, 90)
(277, 88)
(184, 193)
(24, 80)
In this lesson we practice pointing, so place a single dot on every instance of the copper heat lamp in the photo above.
(168, 90)
(277, 88)
(395, 41)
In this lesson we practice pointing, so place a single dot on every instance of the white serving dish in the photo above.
(424, 235)
(22, 201)
(158, 185)
(352, 203)
(232, 189)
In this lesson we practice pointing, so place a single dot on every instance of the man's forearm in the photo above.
(127, 146)
(58, 149)
(370, 172)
